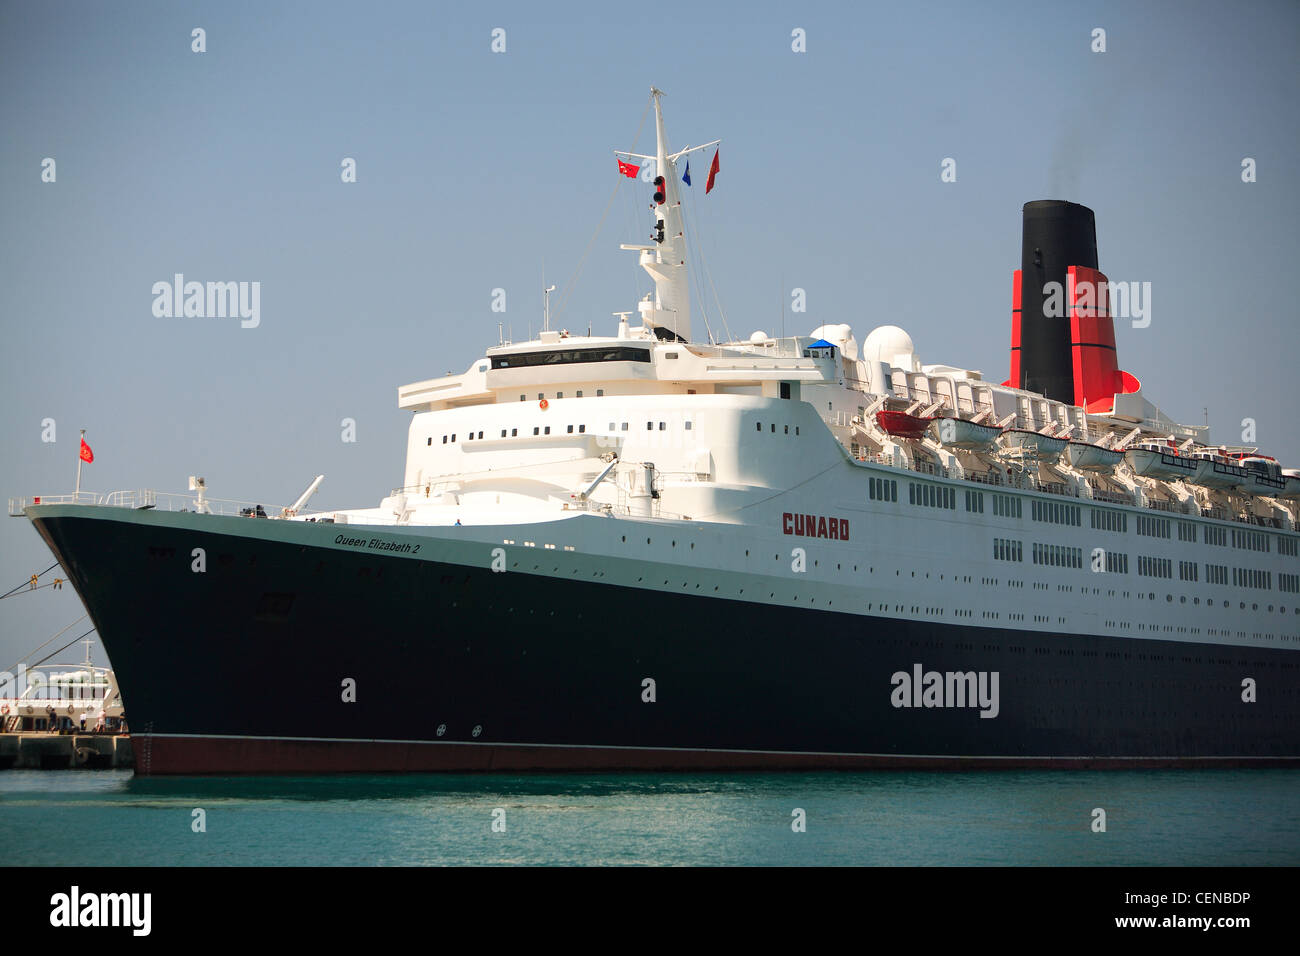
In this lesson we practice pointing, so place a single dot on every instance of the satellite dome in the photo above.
(758, 338)
(889, 343)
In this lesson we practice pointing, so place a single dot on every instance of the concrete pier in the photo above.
(43, 751)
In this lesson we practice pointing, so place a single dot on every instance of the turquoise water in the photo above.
(1228, 817)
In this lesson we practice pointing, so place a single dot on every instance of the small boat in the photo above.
(1089, 457)
(1292, 487)
(1160, 460)
(55, 698)
(1264, 475)
(1215, 471)
(1036, 443)
(960, 433)
(901, 424)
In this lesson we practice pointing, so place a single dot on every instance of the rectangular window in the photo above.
(571, 357)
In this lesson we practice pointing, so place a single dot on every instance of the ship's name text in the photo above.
(378, 544)
(815, 526)
(949, 689)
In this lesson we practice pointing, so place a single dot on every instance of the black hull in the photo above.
(241, 669)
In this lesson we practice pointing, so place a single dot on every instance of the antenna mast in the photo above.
(665, 260)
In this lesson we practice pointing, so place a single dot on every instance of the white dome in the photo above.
(758, 338)
(889, 343)
(840, 336)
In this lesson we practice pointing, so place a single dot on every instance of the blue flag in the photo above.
(686, 176)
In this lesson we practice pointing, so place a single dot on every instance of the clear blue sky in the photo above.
(479, 170)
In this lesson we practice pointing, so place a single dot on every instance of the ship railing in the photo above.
(983, 477)
(1111, 497)
(1155, 504)
(141, 499)
(1263, 522)
(16, 505)
(1053, 488)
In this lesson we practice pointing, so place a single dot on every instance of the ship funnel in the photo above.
(1062, 333)
(1056, 235)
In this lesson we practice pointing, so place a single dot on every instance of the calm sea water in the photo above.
(1189, 818)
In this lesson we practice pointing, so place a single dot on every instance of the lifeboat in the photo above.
(1215, 471)
(1160, 460)
(1292, 488)
(1036, 443)
(1089, 457)
(960, 433)
(901, 424)
(1263, 474)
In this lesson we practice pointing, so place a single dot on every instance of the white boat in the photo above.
(1089, 457)
(1264, 475)
(63, 697)
(1215, 471)
(1292, 487)
(1033, 443)
(1160, 460)
(611, 551)
(961, 433)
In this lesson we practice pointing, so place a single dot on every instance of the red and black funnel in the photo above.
(1062, 334)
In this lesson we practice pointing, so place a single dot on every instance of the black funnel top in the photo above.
(1057, 234)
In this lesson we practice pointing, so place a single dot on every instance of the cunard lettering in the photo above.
(815, 526)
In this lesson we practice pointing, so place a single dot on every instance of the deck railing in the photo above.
(147, 499)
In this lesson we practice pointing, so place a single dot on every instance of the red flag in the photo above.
(86, 454)
(713, 171)
(628, 170)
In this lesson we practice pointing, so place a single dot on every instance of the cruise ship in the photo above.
(649, 550)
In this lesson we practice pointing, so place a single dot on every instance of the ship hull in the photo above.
(245, 667)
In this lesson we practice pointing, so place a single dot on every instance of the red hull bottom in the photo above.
(157, 756)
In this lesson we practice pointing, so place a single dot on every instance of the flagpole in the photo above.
(83, 441)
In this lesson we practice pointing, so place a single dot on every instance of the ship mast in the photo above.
(665, 260)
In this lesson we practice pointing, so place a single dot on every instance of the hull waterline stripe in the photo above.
(719, 750)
